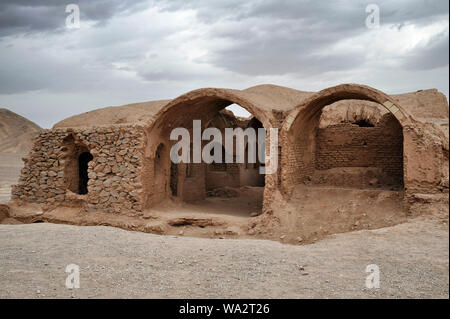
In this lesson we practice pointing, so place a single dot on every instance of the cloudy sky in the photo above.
(128, 51)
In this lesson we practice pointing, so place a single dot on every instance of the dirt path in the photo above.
(413, 259)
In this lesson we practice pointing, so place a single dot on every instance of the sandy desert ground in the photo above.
(413, 258)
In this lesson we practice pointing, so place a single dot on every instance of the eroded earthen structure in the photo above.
(117, 160)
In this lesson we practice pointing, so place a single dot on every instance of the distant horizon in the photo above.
(235, 108)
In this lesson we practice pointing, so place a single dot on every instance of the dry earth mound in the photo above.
(131, 113)
(16, 133)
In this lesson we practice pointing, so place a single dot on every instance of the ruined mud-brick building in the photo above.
(116, 159)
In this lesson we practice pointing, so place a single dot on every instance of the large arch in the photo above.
(298, 127)
(208, 100)
(201, 104)
(333, 94)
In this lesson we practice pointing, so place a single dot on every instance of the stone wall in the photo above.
(114, 173)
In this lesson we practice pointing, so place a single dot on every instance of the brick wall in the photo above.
(194, 187)
(349, 145)
(298, 155)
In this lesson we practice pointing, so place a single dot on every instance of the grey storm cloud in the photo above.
(38, 72)
(346, 12)
(140, 49)
(18, 16)
(276, 37)
(263, 37)
(30, 16)
(280, 47)
(434, 54)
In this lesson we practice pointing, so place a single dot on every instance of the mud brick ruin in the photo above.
(116, 159)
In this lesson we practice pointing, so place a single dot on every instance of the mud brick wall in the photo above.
(426, 158)
(312, 148)
(114, 172)
(251, 176)
(349, 145)
(194, 182)
(229, 176)
(298, 155)
(296, 167)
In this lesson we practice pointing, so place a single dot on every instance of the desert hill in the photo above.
(16, 132)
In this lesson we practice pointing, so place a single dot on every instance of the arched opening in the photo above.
(250, 175)
(358, 144)
(174, 179)
(363, 123)
(162, 172)
(342, 161)
(327, 132)
(218, 187)
(77, 158)
(83, 177)
(158, 159)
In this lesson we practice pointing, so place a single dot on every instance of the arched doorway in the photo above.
(308, 147)
(335, 173)
(196, 182)
(83, 177)
(358, 144)
(250, 175)
(77, 158)
(161, 171)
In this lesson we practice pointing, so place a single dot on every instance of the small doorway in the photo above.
(77, 157)
(83, 177)
(174, 178)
